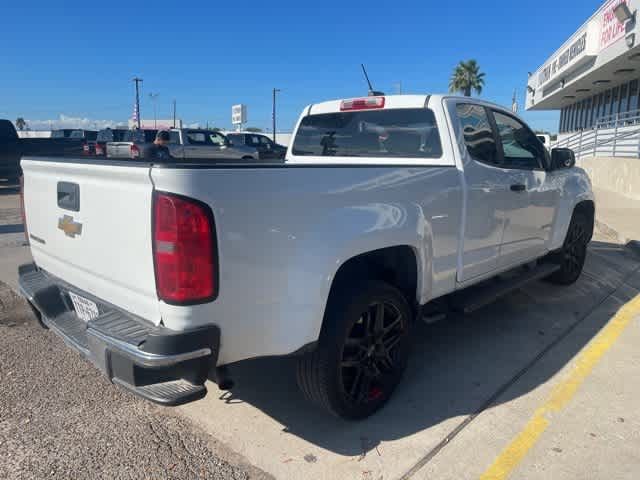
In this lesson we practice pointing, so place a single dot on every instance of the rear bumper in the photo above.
(156, 363)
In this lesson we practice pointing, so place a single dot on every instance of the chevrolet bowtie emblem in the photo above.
(69, 227)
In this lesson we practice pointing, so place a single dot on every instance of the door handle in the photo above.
(518, 187)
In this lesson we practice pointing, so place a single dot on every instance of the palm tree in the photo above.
(467, 77)
(20, 123)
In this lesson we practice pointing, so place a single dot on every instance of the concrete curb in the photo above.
(632, 246)
(609, 231)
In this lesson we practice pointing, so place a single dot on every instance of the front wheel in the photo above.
(362, 352)
(574, 251)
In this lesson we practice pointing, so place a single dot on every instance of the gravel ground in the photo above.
(60, 418)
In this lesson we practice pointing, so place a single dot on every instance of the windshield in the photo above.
(394, 133)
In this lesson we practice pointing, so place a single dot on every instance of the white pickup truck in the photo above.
(385, 211)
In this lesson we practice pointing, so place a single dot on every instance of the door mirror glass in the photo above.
(562, 158)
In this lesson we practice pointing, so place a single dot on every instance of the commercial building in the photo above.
(593, 78)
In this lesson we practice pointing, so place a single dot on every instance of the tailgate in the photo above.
(90, 225)
(119, 149)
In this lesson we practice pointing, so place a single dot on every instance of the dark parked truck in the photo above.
(9, 151)
(13, 148)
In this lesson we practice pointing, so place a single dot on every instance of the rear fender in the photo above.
(353, 231)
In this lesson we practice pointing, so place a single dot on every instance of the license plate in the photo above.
(85, 308)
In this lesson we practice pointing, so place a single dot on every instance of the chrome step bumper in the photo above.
(156, 363)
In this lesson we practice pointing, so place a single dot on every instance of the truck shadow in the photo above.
(460, 365)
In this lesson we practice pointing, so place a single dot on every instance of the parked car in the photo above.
(131, 145)
(191, 143)
(403, 203)
(108, 135)
(13, 148)
(267, 148)
(88, 139)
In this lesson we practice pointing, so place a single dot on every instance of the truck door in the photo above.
(195, 144)
(487, 191)
(533, 197)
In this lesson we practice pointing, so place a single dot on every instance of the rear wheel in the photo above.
(248, 158)
(574, 251)
(362, 352)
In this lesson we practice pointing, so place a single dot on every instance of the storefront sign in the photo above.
(611, 30)
(562, 61)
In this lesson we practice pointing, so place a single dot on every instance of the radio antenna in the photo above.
(372, 92)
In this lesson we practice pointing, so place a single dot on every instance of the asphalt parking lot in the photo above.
(541, 384)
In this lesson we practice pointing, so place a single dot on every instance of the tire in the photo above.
(248, 158)
(359, 361)
(574, 251)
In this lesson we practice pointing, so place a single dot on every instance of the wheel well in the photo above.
(588, 209)
(397, 266)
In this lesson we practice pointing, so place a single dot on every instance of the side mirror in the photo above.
(562, 158)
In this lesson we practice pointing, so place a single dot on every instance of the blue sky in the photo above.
(77, 60)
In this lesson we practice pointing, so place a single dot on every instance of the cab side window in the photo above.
(197, 138)
(478, 134)
(216, 139)
(521, 147)
(174, 137)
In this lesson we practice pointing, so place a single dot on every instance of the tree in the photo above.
(253, 129)
(20, 123)
(467, 78)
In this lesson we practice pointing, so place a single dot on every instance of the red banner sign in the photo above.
(611, 30)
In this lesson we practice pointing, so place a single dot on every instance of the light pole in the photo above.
(275, 90)
(154, 100)
(137, 81)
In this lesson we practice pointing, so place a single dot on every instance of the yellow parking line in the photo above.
(513, 454)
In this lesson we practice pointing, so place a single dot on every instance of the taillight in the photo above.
(365, 103)
(135, 151)
(184, 250)
(85, 148)
(99, 149)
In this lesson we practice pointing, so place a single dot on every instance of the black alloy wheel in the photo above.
(362, 352)
(370, 353)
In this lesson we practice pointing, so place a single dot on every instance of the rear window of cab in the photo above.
(391, 133)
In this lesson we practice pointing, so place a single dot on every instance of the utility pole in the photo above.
(275, 90)
(174, 113)
(154, 99)
(137, 81)
(398, 86)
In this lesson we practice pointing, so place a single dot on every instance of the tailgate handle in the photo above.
(69, 196)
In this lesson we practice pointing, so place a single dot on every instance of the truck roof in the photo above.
(391, 101)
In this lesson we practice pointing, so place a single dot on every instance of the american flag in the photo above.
(135, 118)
